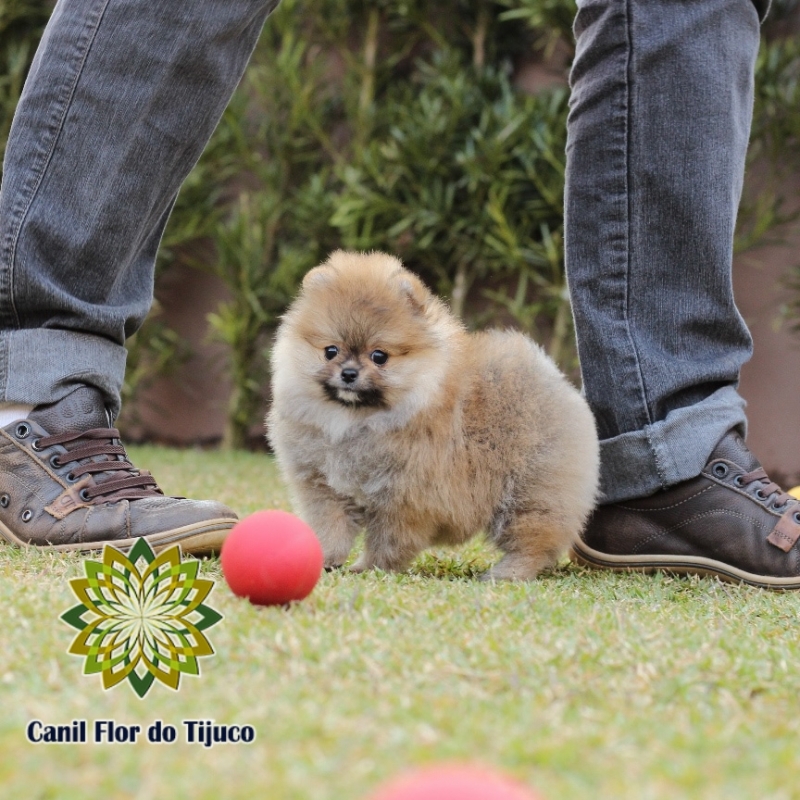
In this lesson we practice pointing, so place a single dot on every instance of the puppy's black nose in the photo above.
(349, 374)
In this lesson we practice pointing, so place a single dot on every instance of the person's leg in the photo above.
(659, 122)
(119, 103)
(658, 128)
(121, 99)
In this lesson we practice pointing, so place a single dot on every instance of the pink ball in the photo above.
(271, 558)
(453, 782)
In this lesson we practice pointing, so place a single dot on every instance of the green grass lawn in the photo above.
(581, 685)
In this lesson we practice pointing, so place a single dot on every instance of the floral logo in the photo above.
(141, 617)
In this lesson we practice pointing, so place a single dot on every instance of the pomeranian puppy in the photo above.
(389, 417)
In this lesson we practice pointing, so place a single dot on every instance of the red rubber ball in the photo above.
(453, 782)
(271, 558)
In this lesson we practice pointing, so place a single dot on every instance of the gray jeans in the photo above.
(662, 96)
(123, 96)
(121, 99)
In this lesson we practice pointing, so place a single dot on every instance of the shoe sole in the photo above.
(582, 554)
(198, 539)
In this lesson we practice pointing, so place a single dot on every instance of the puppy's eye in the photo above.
(331, 351)
(379, 357)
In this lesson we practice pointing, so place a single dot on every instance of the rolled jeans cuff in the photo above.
(670, 451)
(42, 365)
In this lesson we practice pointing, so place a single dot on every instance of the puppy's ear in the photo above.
(317, 277)
(415, 291)
(324, 273)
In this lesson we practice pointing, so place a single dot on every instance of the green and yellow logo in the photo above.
(141, 617)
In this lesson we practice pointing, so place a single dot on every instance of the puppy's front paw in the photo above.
(385, 561)
(512, 568)
(334, 554)
(360, 566)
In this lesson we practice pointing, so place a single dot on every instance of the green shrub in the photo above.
(21, 26)
(463, 178)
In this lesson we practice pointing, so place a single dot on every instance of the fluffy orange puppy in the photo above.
(389, 417)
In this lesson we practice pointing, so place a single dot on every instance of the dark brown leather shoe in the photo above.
(731, 521)
(66, 484)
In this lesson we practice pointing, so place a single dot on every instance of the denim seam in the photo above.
(657, 458)
(658, 462)
(4, 345)
(628, 209)
(91, 30)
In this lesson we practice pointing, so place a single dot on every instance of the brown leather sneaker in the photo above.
(66, 484)
(731, 521)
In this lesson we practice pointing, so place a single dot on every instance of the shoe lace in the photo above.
(769, 488)
(100, 451)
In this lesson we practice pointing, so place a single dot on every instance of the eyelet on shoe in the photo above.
(4, 500)
(796, 517)
(23, 430)
(760, 495)
(35, 445)
(720, 469)
(55, 461)
(27, 515)
(738, 481)
(84, 494)
(71, 478)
